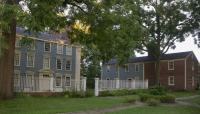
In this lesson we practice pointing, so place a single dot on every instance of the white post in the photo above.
(133, 84)
(117, 83)
(96, 91)
(146, 84)
(51, 83)
(84, 83)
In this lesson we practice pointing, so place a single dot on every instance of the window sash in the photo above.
(68, 65)
(67, 81)
(68, 50)
(46, 63)
(58, 81)
(171, 65)
(47, 47)
(17, 59)
(59, 64)
(30, 60)
(59, 49)
(171, 80)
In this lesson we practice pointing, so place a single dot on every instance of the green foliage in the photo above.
(130, 100)
(157, 90)
(144, 97)
(79, 94)
(153, 102)
(167, 98)
(122, 92)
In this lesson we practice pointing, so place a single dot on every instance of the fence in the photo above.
(102, 85)
(36, 84)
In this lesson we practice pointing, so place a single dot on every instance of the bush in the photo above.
(121, 92)
(157, 90)
(167, 98)
(144, 97)
(153, 102)
(79, 94)
(130, 100)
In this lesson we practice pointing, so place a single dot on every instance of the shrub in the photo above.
(78, 94)
(144, 97)
(130, 100)
(157, 90)
(167, 98)
(105, 93)
(153, 102)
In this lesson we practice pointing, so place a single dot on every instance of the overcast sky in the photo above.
(187, 45)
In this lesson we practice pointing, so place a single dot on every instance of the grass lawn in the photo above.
(52, 105)
(159, 110)
(194, 100)
(185, 93)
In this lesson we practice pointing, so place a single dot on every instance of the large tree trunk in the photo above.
(157, 71)
(7, 60)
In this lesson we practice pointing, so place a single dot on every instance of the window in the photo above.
(68, 50)
(68, 65)
(17, 43)
(59, 49)
(30, 60)
(67, 81)
(170, 65)
(16, 78)
(136, 67)
(17, 59)
(58, 64)
(46, 63)
(58, 81)
(47, 47)
(29, 79)
(108, 68)
(126, 67)
(171, 80)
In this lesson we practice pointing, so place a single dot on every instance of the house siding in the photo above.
(123, 75)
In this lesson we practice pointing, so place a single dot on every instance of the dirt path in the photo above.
(182, 101)
(106, 110)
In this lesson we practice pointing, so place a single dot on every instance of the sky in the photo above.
(187, 45)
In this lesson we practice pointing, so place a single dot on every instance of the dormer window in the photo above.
(170, 65)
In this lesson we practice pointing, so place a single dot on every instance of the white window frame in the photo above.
(27, 57)
(126, 67)
(69, 82)
(17, 43)
(44, 62)
(58, 75)
(57, 64)
(70, 65)
(17, 52)
(137, 66)
(49, 46)
(169, 65)
(169, 81)
(17, 78)
(67, 50)
(108, 68)
(32, 77)
(57, 51)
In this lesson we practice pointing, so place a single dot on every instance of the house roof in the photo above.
(169, 56)
(44, 35)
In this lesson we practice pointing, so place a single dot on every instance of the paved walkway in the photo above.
(137, 104)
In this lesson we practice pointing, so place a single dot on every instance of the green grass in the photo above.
(160, 110)
(194, 100)
(52, 105)
(185, 93)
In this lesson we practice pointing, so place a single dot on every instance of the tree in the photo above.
(105, 26)
(165, 22)
(194, 5)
